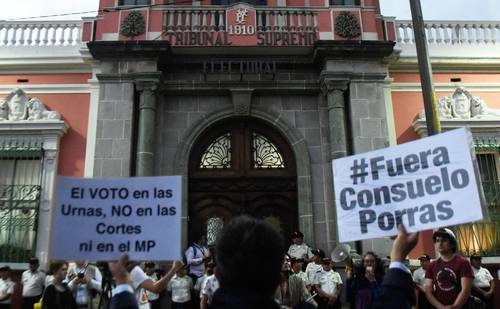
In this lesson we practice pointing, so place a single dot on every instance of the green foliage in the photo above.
(347, 25)
(14, 254)
(133, 25)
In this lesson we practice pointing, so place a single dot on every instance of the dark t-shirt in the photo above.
(446, 290)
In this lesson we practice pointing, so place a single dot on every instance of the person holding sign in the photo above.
(448, 280)
(142, 283)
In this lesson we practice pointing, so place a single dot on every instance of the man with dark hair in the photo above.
(33, 281)
(448, 280)
(196, 256)
(249, 255)
(419, 279)
(315, 266)
(6, 287)
(483, 285)
(298, 249)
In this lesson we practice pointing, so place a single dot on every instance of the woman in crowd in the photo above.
(57, 295)
(364, 283)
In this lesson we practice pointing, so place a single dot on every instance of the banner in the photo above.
(425, 184)
(101, 219)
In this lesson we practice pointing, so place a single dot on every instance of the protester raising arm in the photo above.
(397, 287)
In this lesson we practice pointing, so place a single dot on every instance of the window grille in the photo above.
(484, 237)
(218, 153)
(134, 2)
(265, 153)
(20, 179)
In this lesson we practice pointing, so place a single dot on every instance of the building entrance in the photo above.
(241, 166)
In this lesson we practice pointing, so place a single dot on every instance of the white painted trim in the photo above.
(29, 70)
(47, 88)
(154, 35)
(446, 87)
(17, 266)
(92, 125)
(370, 36)
(389, 112)
(326, 36)
(110, 36)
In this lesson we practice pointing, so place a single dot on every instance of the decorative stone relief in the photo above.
(18, 106)
(462, 105)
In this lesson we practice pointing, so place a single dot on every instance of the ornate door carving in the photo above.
(241, 166)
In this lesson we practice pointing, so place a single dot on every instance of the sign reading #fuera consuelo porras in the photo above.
(423, 184)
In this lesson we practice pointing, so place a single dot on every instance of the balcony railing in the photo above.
(187, 19)
(40, 33)
(451, 33)
(483, 237)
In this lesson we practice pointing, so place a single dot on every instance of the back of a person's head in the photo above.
(249, 254)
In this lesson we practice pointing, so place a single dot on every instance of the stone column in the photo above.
(334, 92)
(146, 128)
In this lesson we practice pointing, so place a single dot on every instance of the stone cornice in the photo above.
(352, 50)
(33, 127)
(477, 126)
(116, 50)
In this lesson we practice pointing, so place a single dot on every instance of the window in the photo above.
(20, 179)
(29, 151)
(218, 154)
(484, 237)
(134, 2)
(345, 2)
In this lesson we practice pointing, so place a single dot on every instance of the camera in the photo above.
(80, 275)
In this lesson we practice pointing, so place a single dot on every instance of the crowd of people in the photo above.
(250, 268)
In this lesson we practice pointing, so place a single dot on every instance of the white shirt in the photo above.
(194, 258)
(209, 287)
(33, 283)
(180, 288)
(138, 277)
(6, 287)
(302, 275)
(81, 291)
(199, 282)
(419, 277)
(311, 270)
(328, 280)
(482, 277)
(152, 296)
(301, 251)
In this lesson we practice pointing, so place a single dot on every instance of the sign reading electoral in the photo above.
(423, 184)
(101, 219)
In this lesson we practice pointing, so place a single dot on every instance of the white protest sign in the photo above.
(101, 219)
(423, 184)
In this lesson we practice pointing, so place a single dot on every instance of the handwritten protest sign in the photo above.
(423, 184)
(101, 219)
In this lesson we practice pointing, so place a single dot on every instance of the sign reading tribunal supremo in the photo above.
(423, 184)
(101, 219)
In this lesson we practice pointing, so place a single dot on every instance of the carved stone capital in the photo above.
(146, 86)
(330, 85)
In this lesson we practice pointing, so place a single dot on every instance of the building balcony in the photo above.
(472, 41)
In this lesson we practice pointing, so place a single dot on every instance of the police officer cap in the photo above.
(297, 234)
(425, 257)
(319, 253)
(326, 261)
(476, 256)
(5, 268)
(294, 260)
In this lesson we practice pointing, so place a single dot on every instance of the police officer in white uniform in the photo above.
(33, 281)
(328, 285)
(298, 249)
(483, 285)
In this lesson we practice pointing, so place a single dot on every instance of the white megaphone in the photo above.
(341, 253)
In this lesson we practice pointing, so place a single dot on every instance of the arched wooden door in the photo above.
(241, 166)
